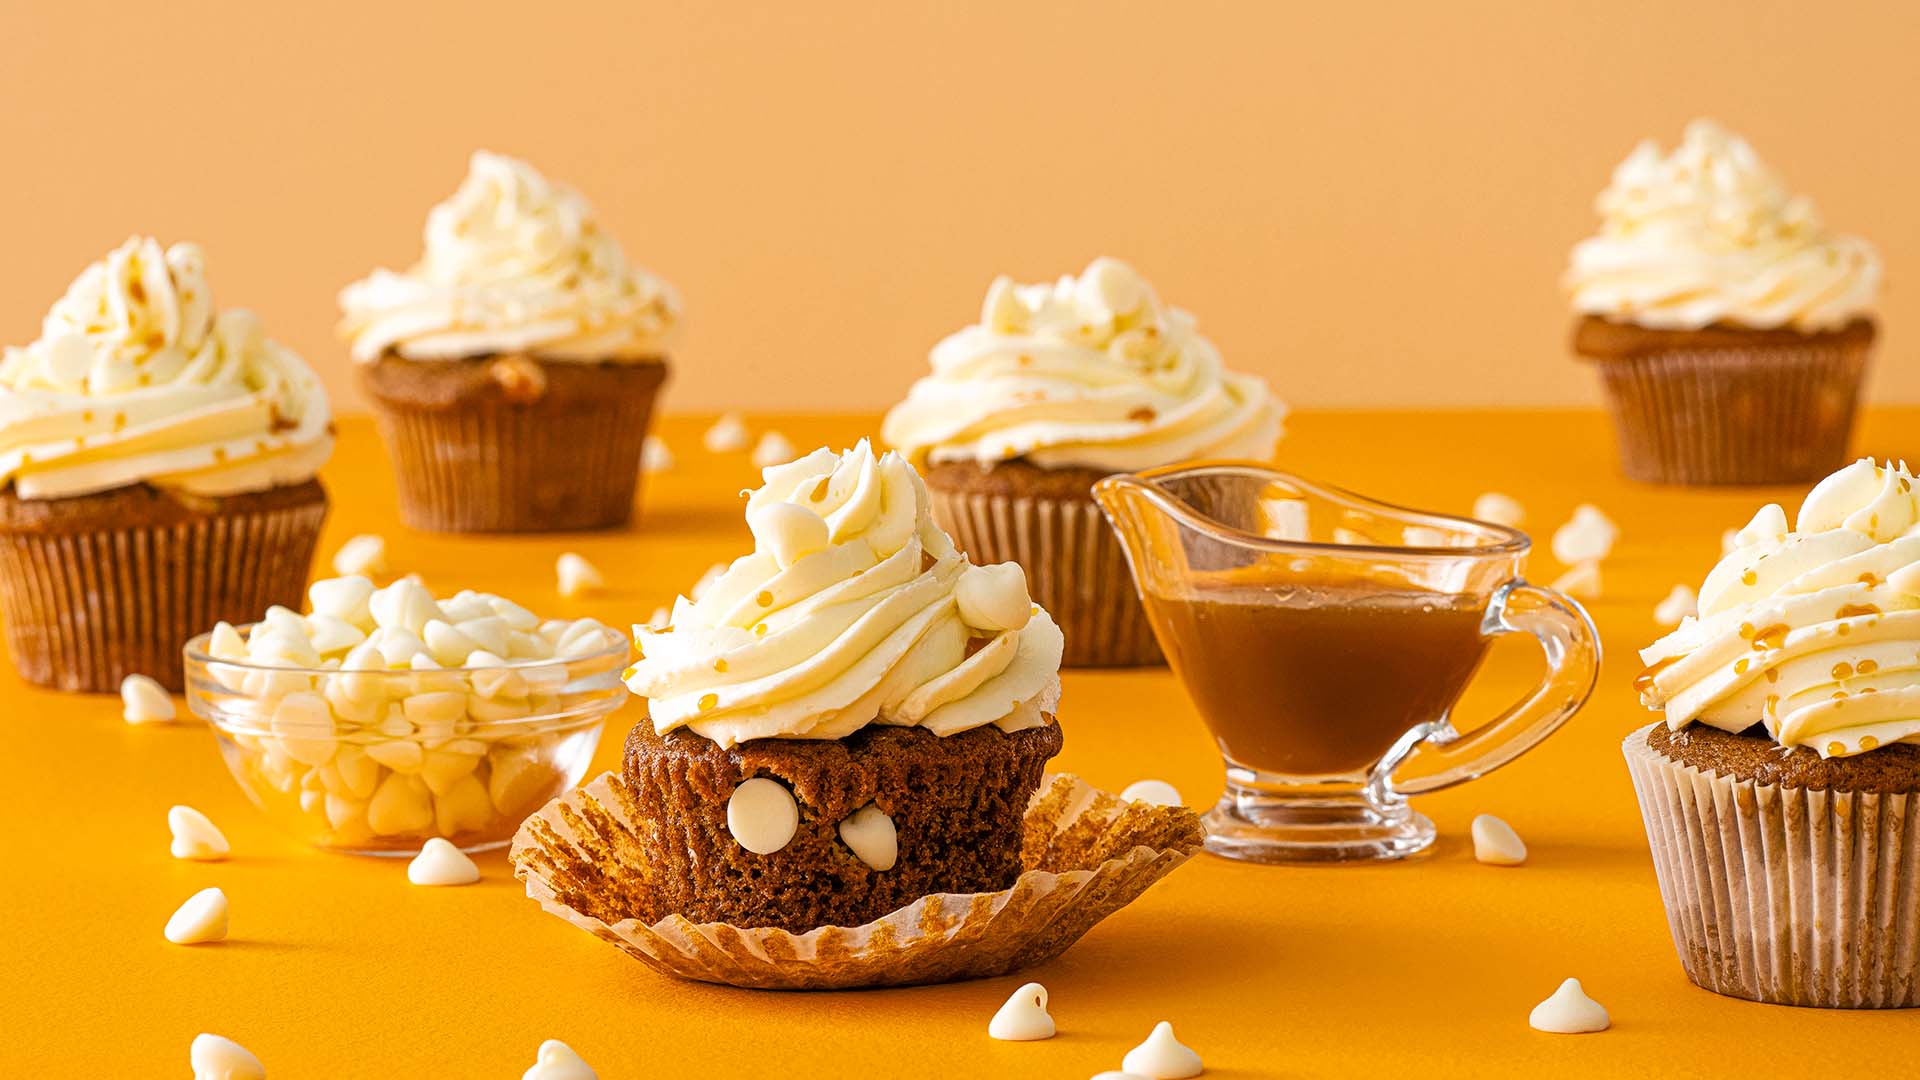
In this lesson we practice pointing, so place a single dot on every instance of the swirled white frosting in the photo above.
(136, 378)
(1710, 235)
(1090, 371)
(1815, 632)
(514, 263)
(853, 609)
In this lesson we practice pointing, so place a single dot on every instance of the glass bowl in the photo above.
(378, 762)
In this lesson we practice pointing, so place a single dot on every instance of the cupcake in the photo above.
(514, 370)
(1729, 327)
(1782, 794)
(1056, 387)
(157, 472)
(852, 717)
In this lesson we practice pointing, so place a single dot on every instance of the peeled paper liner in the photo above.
(1785, 895)
(1088, 854)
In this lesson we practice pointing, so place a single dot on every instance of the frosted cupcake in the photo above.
(157, 464)
(514, 369)
(852, 717)
(1056, 387)
(1780, 794)
(1730, 328)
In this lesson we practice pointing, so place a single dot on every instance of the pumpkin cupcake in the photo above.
(514, 369)
(157, 472)
(1054, 388)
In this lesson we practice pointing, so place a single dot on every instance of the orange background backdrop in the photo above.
(1370, 204)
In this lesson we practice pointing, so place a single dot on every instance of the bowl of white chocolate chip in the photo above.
(386, 717)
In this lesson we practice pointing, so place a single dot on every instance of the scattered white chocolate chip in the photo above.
(787, 531)
(1588, 537)
(557, 1061)
(762, 815)
(655, 455)
(144, 701)
(728, 435)
(993, 598)
(201, 919)
(1582, 581)
(440, 863)
(1569, 1012)
(1162, 1057)
(195, 836)
(364, 556)
(1495, 843)
(1024, 1017)
(1499, 509)
(578, 577)
(1157, 792)
(871, 836)
(215, 1057)
(1679, 604)
(1115, 1074)
(773, 449)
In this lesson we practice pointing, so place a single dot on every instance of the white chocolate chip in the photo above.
(304, 725)
(557, 1061)
(1108, 289)
(513, 615)
(1495, 843)
(993, 598)
(402, 804)
(1024, 1017)
(364, 555)
(201, 919)
(1588, 537)
(870, 834)
(1162, 1057)
(214, 1057)
(195, 836)
(1569, 1012)
(578, 577)
(144, 701)
(1157, 792)
(405, 605)
(728, 435)
(1499, 509)
(1679, 604)
(343, 598)
(462, 805)
(226, 643)
(762, 815)
(1582, 581)
(787, 531)
(655, 455)
(489, 632)
(773, 449)
(330, 634)
(1115, 1074)
(440, 863)
(447, 645)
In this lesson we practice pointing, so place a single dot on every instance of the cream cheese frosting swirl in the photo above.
(1814, 633)
(854, 608)
(1710, 235)
(1091, 371)
(514, 263)
(136, 378)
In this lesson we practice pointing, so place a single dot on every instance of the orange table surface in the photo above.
(336, 967)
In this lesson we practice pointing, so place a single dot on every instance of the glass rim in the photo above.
(579, 714)
(195, 652)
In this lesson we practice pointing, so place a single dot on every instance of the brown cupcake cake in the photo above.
(1730, 329)
(1056, 387)
(157, 464)
(1782, 794)
(850, 718)
(514, 370)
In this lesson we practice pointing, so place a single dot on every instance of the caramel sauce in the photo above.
(1869, 579)
(1771, 638)
(1772, 674)
(1740, 666)
(1643, 682)
(1749, 578)
(1866, 667)
(1851, 611)
(1842, 670)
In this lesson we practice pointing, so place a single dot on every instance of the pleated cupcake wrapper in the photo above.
(85, 610)
(1087, 853)
(1788, 896)
(1075, 568)
(500, 467)
(1766, 415)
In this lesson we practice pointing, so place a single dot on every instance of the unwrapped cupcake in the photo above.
(157, 472)
(1056, 387)
(514, 369)
(1782, 794)
(1730, 328)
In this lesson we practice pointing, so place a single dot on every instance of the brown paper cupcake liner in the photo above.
(1087, 854)
(86, 609)
(1075, 568)
(1770, 414)
(1785, 895)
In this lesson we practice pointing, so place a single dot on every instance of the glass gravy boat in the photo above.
(1324, 637)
